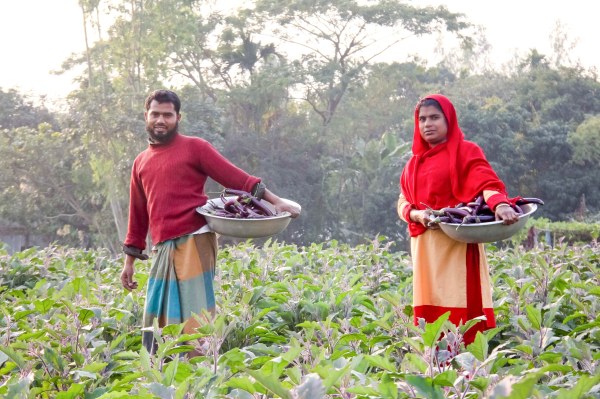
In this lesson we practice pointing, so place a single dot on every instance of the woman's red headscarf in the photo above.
(470, 172)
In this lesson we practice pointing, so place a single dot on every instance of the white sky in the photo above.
(40, 34)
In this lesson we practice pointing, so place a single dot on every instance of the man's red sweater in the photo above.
(167, 184)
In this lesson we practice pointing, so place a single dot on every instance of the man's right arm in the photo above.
(135, 243)
(138, 216)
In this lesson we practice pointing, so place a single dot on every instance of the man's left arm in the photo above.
(218, 168)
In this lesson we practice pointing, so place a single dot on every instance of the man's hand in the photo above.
(507, 215)
(423, 217)
(284, 206)
(127, 274)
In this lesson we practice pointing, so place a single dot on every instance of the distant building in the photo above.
(18, 239)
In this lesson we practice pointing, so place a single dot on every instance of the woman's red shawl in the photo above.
(470, 172)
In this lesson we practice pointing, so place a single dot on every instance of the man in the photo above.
(167, 185)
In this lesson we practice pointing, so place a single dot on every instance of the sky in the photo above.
(40, 34)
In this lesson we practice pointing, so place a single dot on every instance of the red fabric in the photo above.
(469, 171)
(474, 302)
(167, 185)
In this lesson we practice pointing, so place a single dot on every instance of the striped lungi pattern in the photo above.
(180, 283)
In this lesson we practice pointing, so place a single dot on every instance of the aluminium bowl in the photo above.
(246, 228)
(487, 232)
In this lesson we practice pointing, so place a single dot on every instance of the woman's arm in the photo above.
(500, 205)
(404, 208)
(410, 214)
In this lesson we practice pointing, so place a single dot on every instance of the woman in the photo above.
(445, 170)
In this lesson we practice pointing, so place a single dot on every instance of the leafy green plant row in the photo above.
(312, 322)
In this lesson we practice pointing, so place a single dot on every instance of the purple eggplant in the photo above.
(525, 201)
(458, 212)
(258, 205)
(480, 219)
(239, 193)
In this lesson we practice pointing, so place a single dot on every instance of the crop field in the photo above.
(325, 321)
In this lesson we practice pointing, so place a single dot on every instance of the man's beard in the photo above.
(163, 138)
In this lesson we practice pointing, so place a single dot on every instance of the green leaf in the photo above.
(182, 389)
(270, 382)
(44, 306)
(295, 374)
(334, 376)
(179, 349)
(86, 314)
(126, 355)
(160, 390)
(481, 383)
(52, 358)
(3, 357)
(74, 391)
(479, 347)
(173, 329)
(446, 378)
(170, 372)
(535, 316)
(512, 387)
(387, 387)
(84, 374)
(583, 386)
(433, 331)
(24, 313)
(360, 390)
(467, 326)
(424, 385)
(380, 362)
(524, 348)
(241, 383)
(14, 356)
(563, 368)
(574, 316)
(413, 363)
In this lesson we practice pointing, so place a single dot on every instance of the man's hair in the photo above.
(429, 102)
(164, 96)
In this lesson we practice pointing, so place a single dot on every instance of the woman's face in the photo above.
(433, 125)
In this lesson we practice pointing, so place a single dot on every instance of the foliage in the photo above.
(293, 92)
(327, 320)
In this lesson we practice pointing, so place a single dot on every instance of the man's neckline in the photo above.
(155, 145)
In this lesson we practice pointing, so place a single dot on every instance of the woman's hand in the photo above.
(506, 214)
(423, 217)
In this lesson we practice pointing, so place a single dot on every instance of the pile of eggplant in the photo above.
(244, 206)
(475, 212)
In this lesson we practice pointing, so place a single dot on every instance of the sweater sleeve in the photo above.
(138, 213)
(493, 198)
(218, 168)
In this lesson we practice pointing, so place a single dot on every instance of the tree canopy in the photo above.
(292, 91)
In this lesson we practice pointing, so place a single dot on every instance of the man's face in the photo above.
(162, 122)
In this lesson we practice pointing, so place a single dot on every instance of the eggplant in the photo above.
(456, 211)
(439, 219)
(480, 219)
(525, 201)
(239, 193)
(449, 216)
(518, 210)
(258, 205)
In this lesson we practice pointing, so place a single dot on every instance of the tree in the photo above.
(340, 39)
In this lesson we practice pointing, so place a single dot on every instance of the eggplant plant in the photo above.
(324, 321)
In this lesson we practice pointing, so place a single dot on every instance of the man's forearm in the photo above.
(272, 198)
(129, 260)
